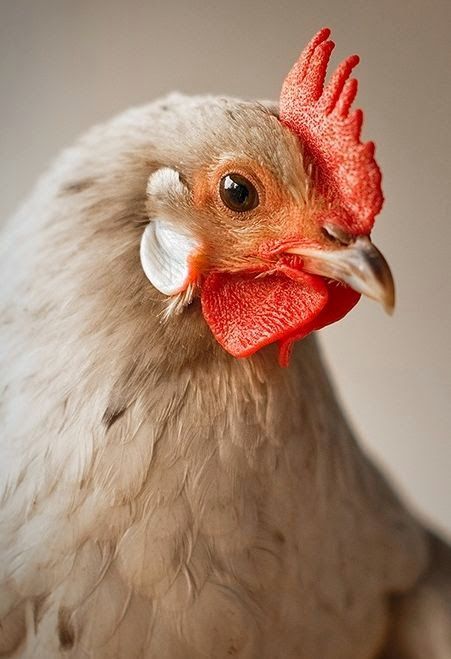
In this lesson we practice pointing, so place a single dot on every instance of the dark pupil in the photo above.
(238, 193)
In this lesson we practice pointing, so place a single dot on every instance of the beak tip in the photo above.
(389, 308)
(389, 297)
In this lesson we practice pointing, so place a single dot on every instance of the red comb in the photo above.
(345, 169)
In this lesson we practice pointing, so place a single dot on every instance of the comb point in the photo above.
(322, 34)
(347, 174)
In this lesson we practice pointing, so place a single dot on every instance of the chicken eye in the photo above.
(237, 193)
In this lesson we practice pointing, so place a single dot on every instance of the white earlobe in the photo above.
(165, 256)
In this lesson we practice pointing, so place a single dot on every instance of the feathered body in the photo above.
(160, 498)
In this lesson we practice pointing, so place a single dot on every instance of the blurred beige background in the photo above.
(65, 65)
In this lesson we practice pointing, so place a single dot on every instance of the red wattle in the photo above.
(341, 300)
(247, 311)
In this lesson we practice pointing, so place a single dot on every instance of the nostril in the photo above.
(335, 234)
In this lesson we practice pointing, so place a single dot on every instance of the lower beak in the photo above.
(360, 265)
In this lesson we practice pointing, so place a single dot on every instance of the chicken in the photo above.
(167, 489)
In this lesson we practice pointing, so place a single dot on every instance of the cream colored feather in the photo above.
(159, 498)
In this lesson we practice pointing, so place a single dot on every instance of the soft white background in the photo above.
(66, 64)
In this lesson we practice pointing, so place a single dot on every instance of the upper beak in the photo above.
(360, 265)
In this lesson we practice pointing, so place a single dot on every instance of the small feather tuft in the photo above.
(176, 303)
